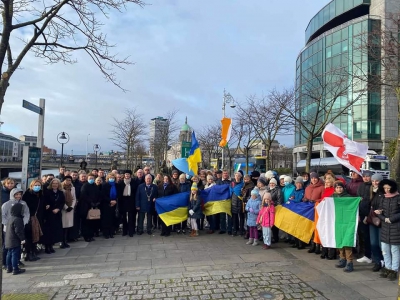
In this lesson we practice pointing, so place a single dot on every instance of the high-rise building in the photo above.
(335, 39)
(158, 127)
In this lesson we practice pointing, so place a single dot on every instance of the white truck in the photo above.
(377, 164)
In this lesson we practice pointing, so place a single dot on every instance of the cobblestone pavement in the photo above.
(179, 267)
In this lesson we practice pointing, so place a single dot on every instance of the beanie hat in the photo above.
(339, 183)
(299, 179)
(269, 174)
(255, 174)
(262, 180)
(273, 180)
(194, 186)
(288, 179)
(254, 192)
(313, 175)
(282, 177)
(175, 171)
(378, 177)
(241, 172)
(367, 173)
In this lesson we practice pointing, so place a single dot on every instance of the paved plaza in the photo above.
(179, 267)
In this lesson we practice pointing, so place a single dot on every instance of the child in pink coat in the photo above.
(266, 218)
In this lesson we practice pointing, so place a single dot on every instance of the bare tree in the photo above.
(53, 31)
(209, 138)
(266, 118)
(127, 134)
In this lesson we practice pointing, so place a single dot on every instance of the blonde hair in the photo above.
(109, 175)
(210, 177)
(193, 196)
(182, 176)
(59, 184)
(35, 181)
(8, 180)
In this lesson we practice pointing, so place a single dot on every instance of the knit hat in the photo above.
(262, 180)
(378, 177)
(282, 177)
(313, 175)
(269, 174)
(288, 179)
(339, 183)
(299, 179)
(241, 172)
(367, 173)
(273, 180)
(254, 192)
(194, 186)
(255, 174)
(175, 171)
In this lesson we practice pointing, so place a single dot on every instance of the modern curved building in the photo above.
(333, 41)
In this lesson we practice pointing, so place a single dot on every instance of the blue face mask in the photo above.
(304, 180)
(111, 180)
(287, 183)
(91, 181)
(36, 188)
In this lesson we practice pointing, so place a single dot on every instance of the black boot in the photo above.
(47, 249)
(312, 249)
(34, 256)
(317, 249)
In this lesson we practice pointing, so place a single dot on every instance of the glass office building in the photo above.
(334, 53)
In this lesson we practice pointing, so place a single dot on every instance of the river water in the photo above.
(17, 175)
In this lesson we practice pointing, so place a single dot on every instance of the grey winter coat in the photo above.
(6, 209)
(15, 227)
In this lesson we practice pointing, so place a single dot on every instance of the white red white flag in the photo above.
(349, 153)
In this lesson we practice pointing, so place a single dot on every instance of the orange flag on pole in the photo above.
(226, 131)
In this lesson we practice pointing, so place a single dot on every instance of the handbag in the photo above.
(93, 214)
(373, 219)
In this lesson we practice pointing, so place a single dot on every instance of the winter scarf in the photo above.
(113, 191)
(127, 189)
(391, 195)
(68, 194)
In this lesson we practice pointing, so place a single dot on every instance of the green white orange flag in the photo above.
(337, 221)
(226, 131)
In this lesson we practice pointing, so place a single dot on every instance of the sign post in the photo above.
(185, 149)
(31, 163)
(40, 110)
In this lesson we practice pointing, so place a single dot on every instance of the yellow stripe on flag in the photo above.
(175, 216)
(216, 207)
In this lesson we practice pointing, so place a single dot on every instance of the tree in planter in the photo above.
(209, 138)
(127, 134)
(53, 31)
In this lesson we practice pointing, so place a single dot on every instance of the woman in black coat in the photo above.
(389, 214)
(167, 188)
(54, 202)
(108, 205)
(90, 198)
(34, 198)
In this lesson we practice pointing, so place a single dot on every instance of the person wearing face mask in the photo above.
(109, 203)
(34, 199)
(90, 198)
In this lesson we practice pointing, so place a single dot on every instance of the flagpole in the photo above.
(223, 116)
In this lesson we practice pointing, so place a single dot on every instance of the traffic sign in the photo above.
(32, 107)
(185, 149)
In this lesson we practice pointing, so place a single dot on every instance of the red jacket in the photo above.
(328, 192)
(314, 191)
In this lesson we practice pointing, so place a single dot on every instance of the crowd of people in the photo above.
(72, 205)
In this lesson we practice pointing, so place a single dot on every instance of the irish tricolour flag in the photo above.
(337, 221)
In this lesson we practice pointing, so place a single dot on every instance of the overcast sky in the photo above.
(185, 53)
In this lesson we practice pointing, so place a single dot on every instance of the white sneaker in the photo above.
(364, 259)
(255, 242)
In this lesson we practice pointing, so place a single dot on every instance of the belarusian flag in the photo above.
(337, 221)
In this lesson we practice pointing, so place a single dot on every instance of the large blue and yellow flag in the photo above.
(173, 209)
(296, 219)
(194, 155)
(216, 199)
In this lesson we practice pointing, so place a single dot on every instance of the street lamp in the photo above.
(96, 148)
(226, 100)
(87, 139)
(62, 138)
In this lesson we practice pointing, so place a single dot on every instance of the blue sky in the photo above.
(185, 52)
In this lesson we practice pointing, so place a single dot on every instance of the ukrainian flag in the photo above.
(217, 199)
(296, 219)
(194, 155)
(173, 209)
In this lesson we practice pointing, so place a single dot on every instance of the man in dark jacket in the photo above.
(15, 235)
(145, 195)
(128, 206)
(364, 191)
(225, 218)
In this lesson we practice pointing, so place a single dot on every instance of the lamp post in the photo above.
(62, 138)
(226, 99)
(96, 148)
(87, 139)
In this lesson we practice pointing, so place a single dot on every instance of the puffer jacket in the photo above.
(237, 200)
(390, 232)
(266, 216)
(352, 186)
(364, 191)
(297, 196)
(314, 191)
(287, 191)
(15, 227)
(276, 195)
(252, 216)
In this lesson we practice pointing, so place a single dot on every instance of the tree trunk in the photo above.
(309, 152)
(247, 160)
(395, 163)
(268, 154)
